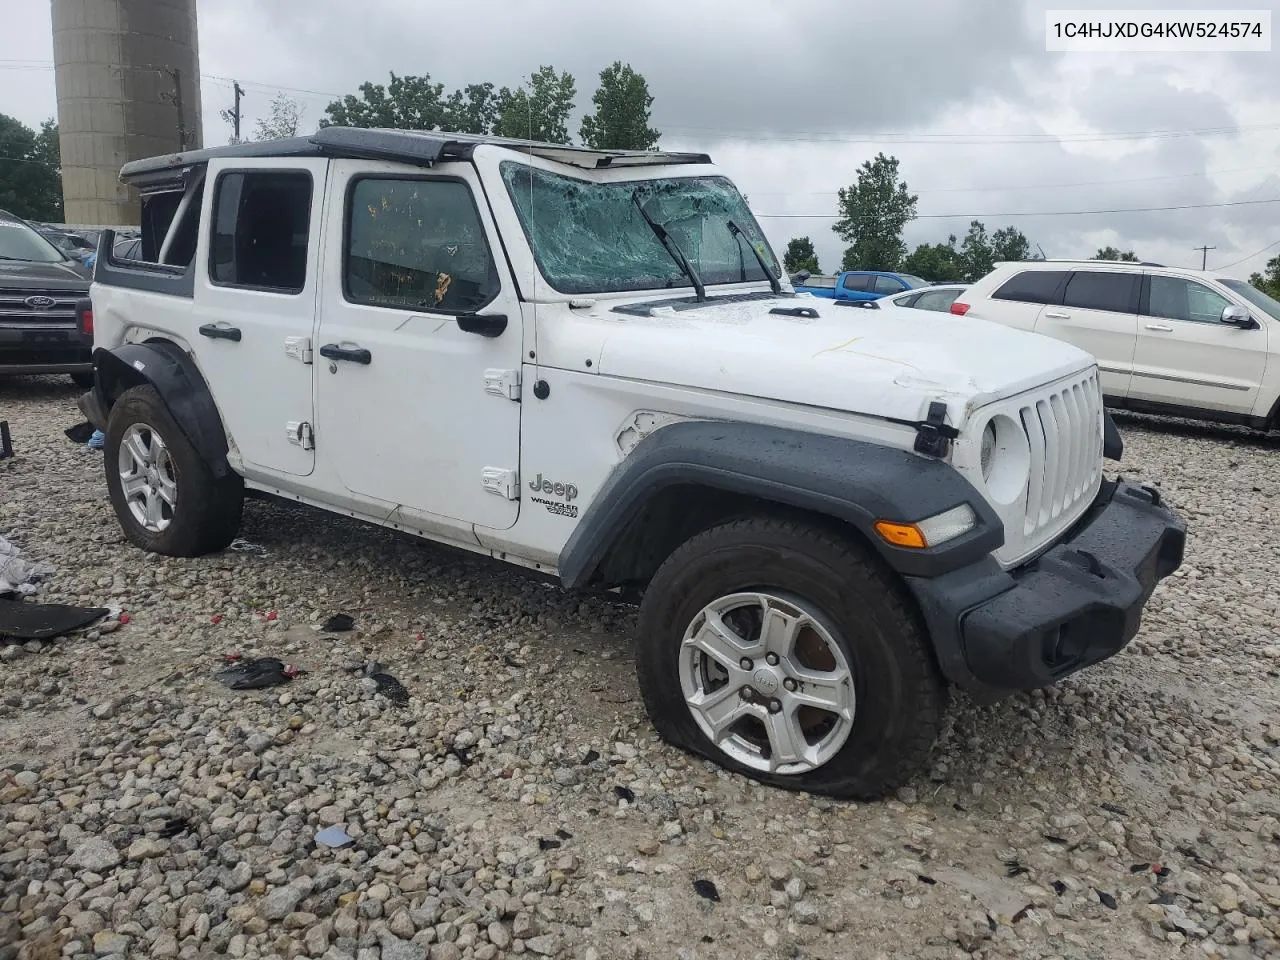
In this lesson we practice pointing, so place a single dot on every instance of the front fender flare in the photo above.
(850, 480)
(176, 378)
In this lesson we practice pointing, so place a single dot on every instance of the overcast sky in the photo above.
(791, 97)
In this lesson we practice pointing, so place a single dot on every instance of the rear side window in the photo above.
(261, 220)
(887, 285)
(1096, 290)
(1031, 286)
(857, 282)
(415, 244)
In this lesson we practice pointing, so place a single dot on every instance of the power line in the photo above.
(1204, 255)
(1250, 256)
(1033, 213)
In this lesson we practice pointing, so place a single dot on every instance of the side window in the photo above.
(1099, 290)
(938, 300)
(1173, 298)
(1031, 286)
(417, 245)
(887, 285)
(261, 220)
(857, 282)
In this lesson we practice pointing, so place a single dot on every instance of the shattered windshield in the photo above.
(590, 237)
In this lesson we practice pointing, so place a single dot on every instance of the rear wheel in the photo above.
(781, 651)
(164, 493)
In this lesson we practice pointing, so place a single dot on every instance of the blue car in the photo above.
(857, 284)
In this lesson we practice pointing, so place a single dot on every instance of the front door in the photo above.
(254, 306)
(413, 409)
(1098, 314)
(1188, 357)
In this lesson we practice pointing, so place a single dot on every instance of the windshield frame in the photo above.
(21, 226)
(626, 185)
(1255, 297)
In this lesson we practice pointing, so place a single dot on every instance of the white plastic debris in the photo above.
(18, 575)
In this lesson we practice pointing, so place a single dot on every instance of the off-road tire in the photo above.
(901, 696)
(207, 516)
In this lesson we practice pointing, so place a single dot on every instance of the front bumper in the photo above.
(1080, 602)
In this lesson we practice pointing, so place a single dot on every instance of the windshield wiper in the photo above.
(672, 248)
(737, 231)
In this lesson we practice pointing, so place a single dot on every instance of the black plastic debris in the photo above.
(546, 843)
(174, 827)
(1112, 808)
(338, 623)
(707, 890)
(1139, 867)
(564, 834)
(334, 837)
(6, 442)
(391, 688)
(462, 753)
(41, 621)
(1107, 899)
(80, 433)
(1059, 887)
(923, 878)
(1012, 868)
(623, 793)
(591, 757)
(257, 674)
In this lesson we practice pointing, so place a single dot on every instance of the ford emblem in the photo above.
(39, 303)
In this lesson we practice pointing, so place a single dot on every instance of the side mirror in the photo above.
(1238, 316)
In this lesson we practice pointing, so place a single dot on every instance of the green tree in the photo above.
(800, 255)
(1111, 253)
(873, 213)
(1268, 281)
(285, 120)
(1009, 245)
(473, 109)
(621, 119)
(976, 254)
(406, 103)
(538, 111)
(30, 170)
(936, 262)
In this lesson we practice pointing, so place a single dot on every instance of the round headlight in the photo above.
(988, 449)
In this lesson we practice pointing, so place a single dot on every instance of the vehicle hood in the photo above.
(19, 275)
(891, 362)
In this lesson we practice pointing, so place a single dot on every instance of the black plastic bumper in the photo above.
(48, 348)
(1080, 602)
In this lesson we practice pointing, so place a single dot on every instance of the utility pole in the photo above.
(235, 113)
(1204, 255)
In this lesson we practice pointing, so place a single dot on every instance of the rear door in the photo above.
(255, 303)
(1098, 312)
(1186, 355)
(854, 286)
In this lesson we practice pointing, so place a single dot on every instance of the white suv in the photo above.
(589, 364)
(1182, 342)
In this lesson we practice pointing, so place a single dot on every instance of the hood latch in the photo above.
(933, 435)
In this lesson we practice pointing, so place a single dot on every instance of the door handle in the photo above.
(1159, 326)
(1055, 315)
(331, 351)
(215, 332)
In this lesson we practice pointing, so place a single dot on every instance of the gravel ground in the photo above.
(520, 804)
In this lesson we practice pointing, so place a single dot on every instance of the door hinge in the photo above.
(501, 482)
(299, 348)
(503, 383)
(300, 433)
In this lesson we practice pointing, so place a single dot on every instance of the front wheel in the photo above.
(165, 495)
(781, 651)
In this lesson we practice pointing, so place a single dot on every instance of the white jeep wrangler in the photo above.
(589, 363)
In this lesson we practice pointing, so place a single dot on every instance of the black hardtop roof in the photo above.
(420, 147)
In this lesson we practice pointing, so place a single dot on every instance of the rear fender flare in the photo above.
(175, 376)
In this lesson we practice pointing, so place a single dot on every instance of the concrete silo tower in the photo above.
(128, 80)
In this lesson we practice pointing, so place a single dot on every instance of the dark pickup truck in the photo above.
(40, 289)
